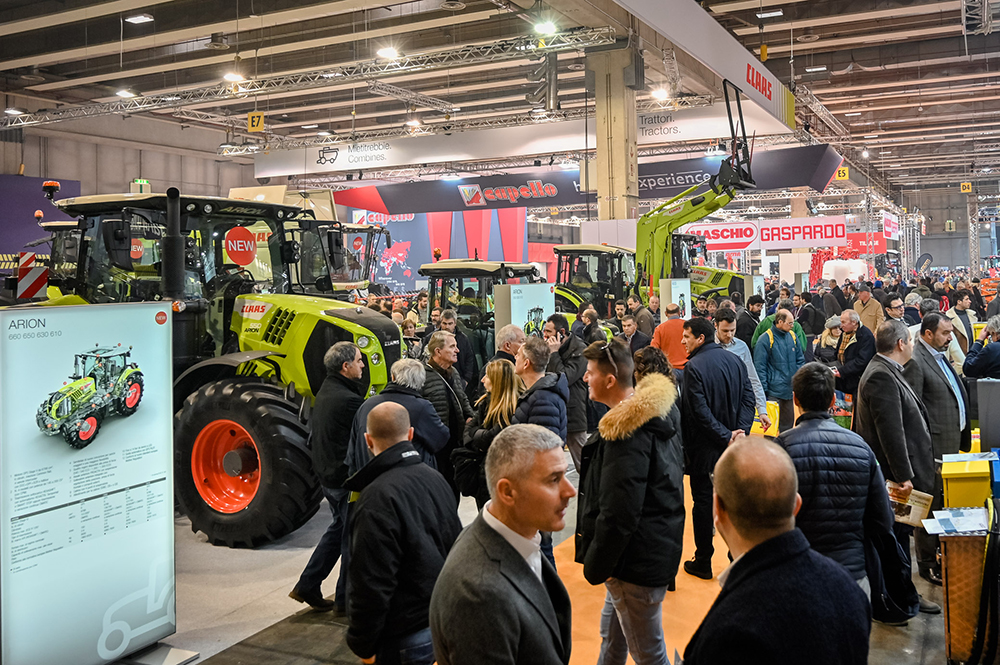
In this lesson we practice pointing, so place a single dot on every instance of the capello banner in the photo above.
(775, 234)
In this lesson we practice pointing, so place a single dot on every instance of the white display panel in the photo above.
(527, 305)
(86, 533)
(677, 291)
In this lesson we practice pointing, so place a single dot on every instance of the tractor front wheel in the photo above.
(80, 431)
(127, 403)
(243, 472)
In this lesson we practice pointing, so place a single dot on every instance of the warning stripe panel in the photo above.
(34, 281)
(26, 260)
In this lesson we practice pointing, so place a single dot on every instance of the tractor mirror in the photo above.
(388, 239)
(118, 242)
(335, 239)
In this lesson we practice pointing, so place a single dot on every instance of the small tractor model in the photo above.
(466, 286)
(250, 330)
(104, 383)
(536, 321)
(661, 253)
(598, 274)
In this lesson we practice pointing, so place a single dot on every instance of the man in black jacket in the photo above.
(748, 321)
(566, 357)
(781, 602)
(810, 318)
(841, 485)
(634, 338)
(854, 350)
(338, 399)
(838, 294)
(404, 523)
(890, 417)
(717, 404)
(630, 514)
(466, 365)
(983, 362)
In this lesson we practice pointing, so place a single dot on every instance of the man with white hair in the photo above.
(508, 341)
(498, 601)
(854, 350)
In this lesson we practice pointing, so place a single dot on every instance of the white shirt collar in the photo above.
(724, 575)
(529, 549)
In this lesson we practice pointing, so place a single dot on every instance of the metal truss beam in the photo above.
(413, 99)
(979, 17)
(676, 103)
(974, 260)
(499, 51)
(805, 97)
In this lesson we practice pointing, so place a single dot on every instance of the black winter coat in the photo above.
(838, 475)
(469, 459)
(983, 362)
(338, 399)
(746, 324)
(716, 399)
(856, 359)
(545, 404)
(402, 528)
(569, 360)
(630, 512)
(839, 295)
(430, 435)
(443, 389)
(784, 603)
(811, 319)
(466, 365)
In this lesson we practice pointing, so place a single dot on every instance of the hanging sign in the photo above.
(255, 121)
(768, 234)
(890, 225)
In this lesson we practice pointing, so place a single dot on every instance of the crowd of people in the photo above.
(639, 400)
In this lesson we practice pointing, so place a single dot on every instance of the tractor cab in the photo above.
(337, 259)
(599, 274)
(466, 286)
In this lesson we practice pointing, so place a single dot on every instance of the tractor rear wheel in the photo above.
(242, 468)
(131, 394)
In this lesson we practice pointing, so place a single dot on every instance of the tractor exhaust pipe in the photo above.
(172, 247)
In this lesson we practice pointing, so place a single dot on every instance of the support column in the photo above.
(974, 261)
(616, 173)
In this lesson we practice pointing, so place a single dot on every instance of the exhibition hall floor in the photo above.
(233, 605)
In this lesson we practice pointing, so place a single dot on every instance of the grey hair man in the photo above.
(508, 341)
(337, 401)
(768, 322)
(444, 389)
(983, 362)
(855, 349)
(497, 599)
(466, 362)
(780, 600)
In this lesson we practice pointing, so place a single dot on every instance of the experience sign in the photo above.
(773, 234)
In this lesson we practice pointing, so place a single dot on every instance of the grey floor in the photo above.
(233, 606)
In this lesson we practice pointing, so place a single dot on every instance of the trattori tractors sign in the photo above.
(771, 234)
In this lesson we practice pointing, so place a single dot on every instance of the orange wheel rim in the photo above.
(133, 395)
(224, 493)
(88, 428)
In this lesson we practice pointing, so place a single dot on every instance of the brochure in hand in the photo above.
(908, 509)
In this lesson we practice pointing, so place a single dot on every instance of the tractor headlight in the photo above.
(376, 359)
(363, 342)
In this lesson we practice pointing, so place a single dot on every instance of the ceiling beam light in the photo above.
(15, 110)
(387, 53)
(233, 77)
(413, 123)
(546, 28)
(771, 13)
(817, 68)
(309, 126)
(139, 19)
(660, 94)
(126, 93)
(324, 133)
(851, 114)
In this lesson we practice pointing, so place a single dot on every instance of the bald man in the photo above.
(403, 525)
(781, 602)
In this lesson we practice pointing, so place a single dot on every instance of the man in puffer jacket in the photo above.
(630, 515)
(841, 484)
(777, 357)
(566, 357)
(544, 400)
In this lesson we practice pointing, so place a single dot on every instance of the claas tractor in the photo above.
(249, 335)
(598, 274)
(104, 383)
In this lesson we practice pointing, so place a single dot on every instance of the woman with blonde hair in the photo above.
(825, 346)
(494, 411)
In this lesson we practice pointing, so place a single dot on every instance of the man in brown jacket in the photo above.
(643, 319)
(868, 308)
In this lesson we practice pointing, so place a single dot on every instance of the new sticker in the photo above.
(241, 246)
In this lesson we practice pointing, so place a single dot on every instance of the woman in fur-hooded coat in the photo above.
(630, 516)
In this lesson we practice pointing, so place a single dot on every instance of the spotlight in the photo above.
(126, 93)
(15, 110)
(309, 126)
(233, 77)
(545, 28)
(660, 94)
(387, 53)
(413, 122)
(864, 153)
(324, 133)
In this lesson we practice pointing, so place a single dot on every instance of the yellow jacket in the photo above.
(872, 315)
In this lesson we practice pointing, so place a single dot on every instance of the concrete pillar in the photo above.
(616, 173)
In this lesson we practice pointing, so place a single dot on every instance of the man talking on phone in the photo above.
(567, 358)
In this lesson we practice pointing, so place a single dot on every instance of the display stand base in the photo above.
(160, 654)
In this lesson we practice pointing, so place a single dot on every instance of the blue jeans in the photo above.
(415, 649)
(632, 623)
(329, 549)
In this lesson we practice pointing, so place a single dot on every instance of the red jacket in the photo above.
(667, 338)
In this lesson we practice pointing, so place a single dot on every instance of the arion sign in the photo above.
(772, 234)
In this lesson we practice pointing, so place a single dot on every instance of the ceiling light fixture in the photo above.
(233, 77)
(139, 19)
(387, 53)
(15, 110)
(772, 13)
(852, 114)
(864, 153)
(660, 94)
(309, 126)
(126, 93)
(871, 136)
(817, 68)
(413, 123)
(324, 133)
(546, 28)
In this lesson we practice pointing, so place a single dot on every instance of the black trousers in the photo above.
(786, 414)
(701, 516)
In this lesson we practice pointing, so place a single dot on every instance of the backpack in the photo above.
(770, 336)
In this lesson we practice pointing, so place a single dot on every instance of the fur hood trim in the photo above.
(654, 396)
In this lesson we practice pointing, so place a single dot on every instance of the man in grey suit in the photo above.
(890, 417)
(937, 384)
(497, 599)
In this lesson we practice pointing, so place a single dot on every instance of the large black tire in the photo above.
(288, 493)
(80, 431)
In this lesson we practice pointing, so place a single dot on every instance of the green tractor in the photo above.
(251, 325)
(598, 274)
(104, 382)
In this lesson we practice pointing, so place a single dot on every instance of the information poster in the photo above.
(526, 305)
(677, 291)
(86, 513)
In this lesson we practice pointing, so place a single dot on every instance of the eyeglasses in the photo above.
(607, 351)
(895, 307)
